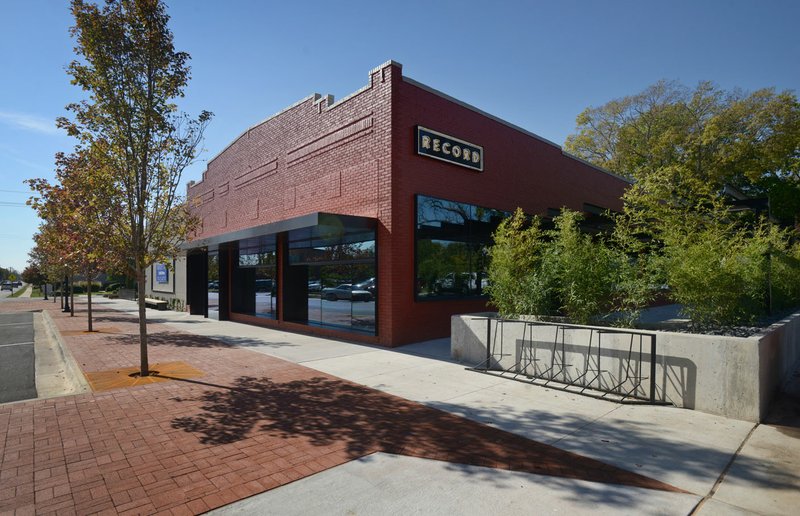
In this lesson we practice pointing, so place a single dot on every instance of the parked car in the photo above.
(459, 283)
(213, 285)
(314, 286)
(368, 285)
(346, 291)
(6, 286)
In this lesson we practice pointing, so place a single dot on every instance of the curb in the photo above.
(74, 372)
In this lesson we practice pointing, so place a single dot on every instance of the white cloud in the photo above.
(29, 122)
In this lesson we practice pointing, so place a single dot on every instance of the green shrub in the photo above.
(519, 283)
(79, 287)
(717, 266)
(784, 265)
(586, 270)
(545, 273)
(719, 274)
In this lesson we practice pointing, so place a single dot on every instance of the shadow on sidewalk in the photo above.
(174, 339)
(328, 412)
(336, 414)
(189, 340)
(784, 412)
(134, 318)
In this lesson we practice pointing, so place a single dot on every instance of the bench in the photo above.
(155, 303)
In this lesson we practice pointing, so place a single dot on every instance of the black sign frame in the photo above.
(448, 149)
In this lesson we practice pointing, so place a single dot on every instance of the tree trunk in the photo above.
(61, 293)
(72, 296)
(89, 300)
(145, 366)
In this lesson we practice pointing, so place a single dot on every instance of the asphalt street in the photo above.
(17, 370)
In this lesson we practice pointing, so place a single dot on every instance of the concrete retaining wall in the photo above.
(729, 376)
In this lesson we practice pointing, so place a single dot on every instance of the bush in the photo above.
(720, 273)
(784, 266)
(79, 287)
(718, 267)
(519, 282)
(546, 273)
(586, 270)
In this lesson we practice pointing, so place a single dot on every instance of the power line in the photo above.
(15, 191)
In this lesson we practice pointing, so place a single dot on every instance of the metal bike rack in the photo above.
(626, 387)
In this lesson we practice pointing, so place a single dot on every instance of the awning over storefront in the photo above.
(318, 224)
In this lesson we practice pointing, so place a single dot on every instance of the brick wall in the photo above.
(520, 170)
(358, 157)
(313, 156)
(316, 155)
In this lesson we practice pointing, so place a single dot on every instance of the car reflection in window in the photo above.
(346, 291)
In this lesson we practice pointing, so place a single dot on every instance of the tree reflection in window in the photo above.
(452, 239)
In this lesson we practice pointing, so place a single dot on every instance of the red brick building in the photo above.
(368, 218)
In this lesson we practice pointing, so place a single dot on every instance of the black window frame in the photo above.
(489, 242)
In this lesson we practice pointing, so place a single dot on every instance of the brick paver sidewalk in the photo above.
(251, 423)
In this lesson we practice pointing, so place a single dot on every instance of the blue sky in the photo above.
(536, 64)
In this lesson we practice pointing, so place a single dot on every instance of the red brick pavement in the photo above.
(252, 423)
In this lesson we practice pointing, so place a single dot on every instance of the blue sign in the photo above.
(446, 148)
(162, 273)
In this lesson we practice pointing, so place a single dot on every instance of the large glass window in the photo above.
(336, 265)
(452, 239)
(255, 285)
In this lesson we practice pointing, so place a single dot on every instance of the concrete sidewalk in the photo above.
(724, 466)
(687, 449)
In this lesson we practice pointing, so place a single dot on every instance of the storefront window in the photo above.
(452, 240)
(328, 276)
(338, 267)
(255, 285)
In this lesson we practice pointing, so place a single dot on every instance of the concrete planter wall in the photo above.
(729, 376)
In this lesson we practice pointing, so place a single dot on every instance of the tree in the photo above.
(45, 256)
(682, 147)
(83, 208)
(5, 273)
(56, 239)
(704, 138)
(133, 74)
(32, 275)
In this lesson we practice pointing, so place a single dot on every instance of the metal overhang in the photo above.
(318, 218)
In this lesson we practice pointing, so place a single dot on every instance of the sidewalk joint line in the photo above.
(724, 473)
(588, 423)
